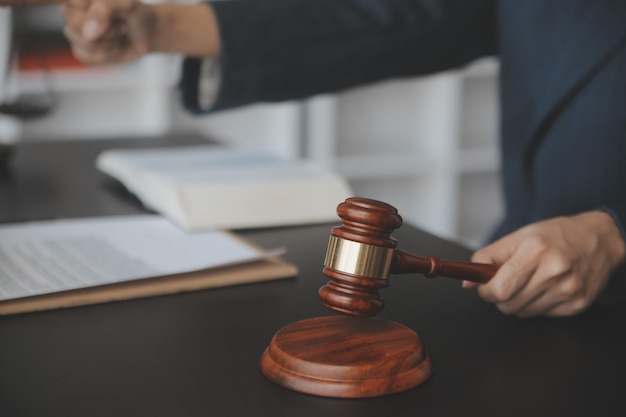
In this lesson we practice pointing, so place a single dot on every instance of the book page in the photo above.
(45, 257)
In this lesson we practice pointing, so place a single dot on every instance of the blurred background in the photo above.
(427, 145)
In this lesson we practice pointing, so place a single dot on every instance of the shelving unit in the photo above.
(130, 100)
(277, 127)
(83, 101)
(427, 146)
(137, 99)
(480, 198)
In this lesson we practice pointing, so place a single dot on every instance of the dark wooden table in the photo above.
(197, 354)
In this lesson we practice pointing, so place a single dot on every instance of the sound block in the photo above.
(346, 357)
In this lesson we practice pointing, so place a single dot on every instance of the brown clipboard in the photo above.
(256, 271)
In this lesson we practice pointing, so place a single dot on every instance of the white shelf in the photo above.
(92, 102)
(478, 160)
(76, 80)
(150, 72)
(427, 146)
(484, 68)
(388, 166)
(416, 164)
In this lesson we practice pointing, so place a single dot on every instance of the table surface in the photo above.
(197, 354)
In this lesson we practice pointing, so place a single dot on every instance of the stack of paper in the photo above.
(53, 264)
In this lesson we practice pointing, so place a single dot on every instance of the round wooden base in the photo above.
(346, 357)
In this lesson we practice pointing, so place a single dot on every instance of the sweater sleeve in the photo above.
(275, 50)
(614, 295)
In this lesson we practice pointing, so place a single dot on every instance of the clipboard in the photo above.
(177, 261)
(271, 268)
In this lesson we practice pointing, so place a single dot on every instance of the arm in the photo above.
(276, 50)
(556, 267)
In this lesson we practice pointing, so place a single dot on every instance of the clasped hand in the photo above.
(103, 32)
(556, 267)
(114, 31)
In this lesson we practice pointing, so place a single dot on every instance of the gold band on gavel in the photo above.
(358, 258)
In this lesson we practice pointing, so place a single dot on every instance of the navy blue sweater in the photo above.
(562, 82)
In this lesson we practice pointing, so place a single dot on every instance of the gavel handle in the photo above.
(432, 266)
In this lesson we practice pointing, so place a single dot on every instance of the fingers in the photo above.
(569, 308)
(98, 19)
(469, 284)
(529, 270)
(566, 297)
(98, 31)
(548, 287)
(109, 48)
(497, 253)
(511, 278)
(91, 18)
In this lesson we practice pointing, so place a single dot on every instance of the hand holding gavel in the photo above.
(361, 255)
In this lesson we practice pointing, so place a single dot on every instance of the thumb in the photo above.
(98, 19)
(495, 253)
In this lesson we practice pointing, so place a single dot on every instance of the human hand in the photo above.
(556, 267)
(108, 31)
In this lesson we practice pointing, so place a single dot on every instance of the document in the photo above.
(52, 256)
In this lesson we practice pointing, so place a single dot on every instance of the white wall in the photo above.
(10, 127)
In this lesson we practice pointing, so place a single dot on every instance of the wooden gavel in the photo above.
(346, 356)
(361, 255)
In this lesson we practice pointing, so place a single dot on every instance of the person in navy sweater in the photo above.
(562, 90)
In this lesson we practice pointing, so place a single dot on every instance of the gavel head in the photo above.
(359, 257)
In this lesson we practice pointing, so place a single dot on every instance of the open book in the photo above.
(208, 187)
